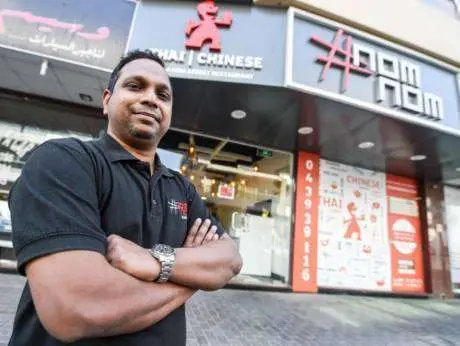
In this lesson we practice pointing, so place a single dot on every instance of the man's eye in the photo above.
(164, 96)
(133, 86)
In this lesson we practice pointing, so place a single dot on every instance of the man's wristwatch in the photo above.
(166, 255)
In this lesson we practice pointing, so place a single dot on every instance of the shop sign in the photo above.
(405, 235)
(353, 247)
(401, 77)
(226, 191)
(304, 276)
(189, 58)
(85, 31)
(205, 33)
(207, 41)
(264, 153)
(344, 64)
(362, 228)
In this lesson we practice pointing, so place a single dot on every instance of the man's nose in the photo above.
(150, 97)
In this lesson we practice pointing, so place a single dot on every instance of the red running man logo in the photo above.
(345, 59)
(207, 30)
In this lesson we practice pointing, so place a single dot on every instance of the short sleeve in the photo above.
(197, 209)
(54, 204)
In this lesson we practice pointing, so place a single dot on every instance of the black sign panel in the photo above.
(91, 32)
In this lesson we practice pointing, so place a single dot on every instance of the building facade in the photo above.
(322, 134)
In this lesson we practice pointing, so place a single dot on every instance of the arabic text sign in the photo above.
(88, 32)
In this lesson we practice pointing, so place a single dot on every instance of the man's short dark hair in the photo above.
(127, 58)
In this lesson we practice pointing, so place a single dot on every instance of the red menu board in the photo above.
(355, 229)
(405, 235)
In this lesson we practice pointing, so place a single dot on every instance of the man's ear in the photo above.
(105, 101)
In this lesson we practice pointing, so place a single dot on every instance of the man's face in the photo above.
(139, 108)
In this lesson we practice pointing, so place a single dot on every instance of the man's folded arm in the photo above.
(78, 294)
(61, 247)
(207, 267)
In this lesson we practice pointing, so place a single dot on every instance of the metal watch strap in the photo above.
(166, 261)
(166, 267)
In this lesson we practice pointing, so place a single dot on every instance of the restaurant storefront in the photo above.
(313, 143)
(361, 208)
(226, 62)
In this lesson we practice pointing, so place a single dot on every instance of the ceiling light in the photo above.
(191, 151)
(457, 169)
(366, 145)
(238, 114)
(305, 130)
(418, 157)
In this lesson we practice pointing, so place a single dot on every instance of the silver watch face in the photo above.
(164, 249)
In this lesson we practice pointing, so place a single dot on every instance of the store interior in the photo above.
(249, 190)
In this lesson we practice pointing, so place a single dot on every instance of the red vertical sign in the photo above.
(405, 235)
(304, 276)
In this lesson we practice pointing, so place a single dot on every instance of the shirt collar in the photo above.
(115, 152)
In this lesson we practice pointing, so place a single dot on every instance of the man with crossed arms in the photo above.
(111, 241)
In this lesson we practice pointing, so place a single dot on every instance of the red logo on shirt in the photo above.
(178, 208)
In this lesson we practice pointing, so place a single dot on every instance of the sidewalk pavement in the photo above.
(240, 317)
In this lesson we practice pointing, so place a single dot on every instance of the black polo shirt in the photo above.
(72, 194)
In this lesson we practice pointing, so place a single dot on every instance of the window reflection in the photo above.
(249, 190)
(15, 142)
